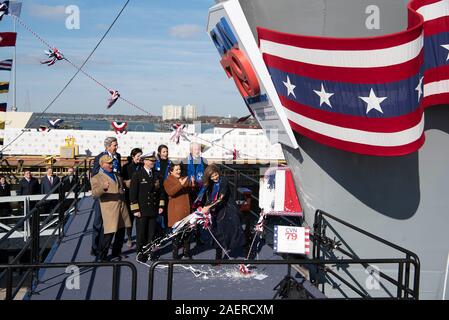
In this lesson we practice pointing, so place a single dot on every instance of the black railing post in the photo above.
(35, 254)
(407, 275)
(115, 283)
(417, 270)
(236, 180)
(61, 212)
(9, 284)
(400, 279)
(151, 280)
(170, 281)
(35, 235)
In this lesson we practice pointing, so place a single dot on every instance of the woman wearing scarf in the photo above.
(194, 167)
(134, 164)
(216, 197)
(162, 166)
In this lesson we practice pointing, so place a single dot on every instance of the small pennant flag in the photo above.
(8, 39)
(43, 129)
(6, 65)
(12, 8)
(4, 87)
(55, 123)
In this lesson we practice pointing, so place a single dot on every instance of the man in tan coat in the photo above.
(108, 188)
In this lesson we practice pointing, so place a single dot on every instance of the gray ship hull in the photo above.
(401, 199)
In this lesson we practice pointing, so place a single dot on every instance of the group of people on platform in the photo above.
(30, 185)
(156, 192)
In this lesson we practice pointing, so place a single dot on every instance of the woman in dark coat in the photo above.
(134, 164)
(5, 191)
(216, 198)
(162, 166)
(177, 189)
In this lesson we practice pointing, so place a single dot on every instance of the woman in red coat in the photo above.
(177, 189)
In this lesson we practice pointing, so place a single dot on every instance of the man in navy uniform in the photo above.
(144, 193)
(111, 146)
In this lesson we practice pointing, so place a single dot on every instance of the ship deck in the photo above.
(214, 282)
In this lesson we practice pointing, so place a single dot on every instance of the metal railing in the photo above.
(402, 283)
(32, 221)
(288, 262)
(10, 293)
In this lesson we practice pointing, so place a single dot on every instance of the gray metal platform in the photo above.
(214, 282)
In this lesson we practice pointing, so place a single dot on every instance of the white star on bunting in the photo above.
(373, 102)
(324, 96)
(419, 88)
(290, 87)
(446, 46)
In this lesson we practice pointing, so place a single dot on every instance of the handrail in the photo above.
(411, 258)
(32, 243)
(115, 264)
(289, 262)
(49, 196)
(368, 234)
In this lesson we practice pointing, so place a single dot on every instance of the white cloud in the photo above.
(44, 11)
(186, 31)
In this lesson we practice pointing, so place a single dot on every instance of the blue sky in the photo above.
(157, 53)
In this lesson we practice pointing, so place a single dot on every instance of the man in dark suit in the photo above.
(68, 182)
(111, 146)
(144, 194)
(49, 182)
(29, 185)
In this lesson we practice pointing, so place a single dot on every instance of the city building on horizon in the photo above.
(190, 112)
(173, 112)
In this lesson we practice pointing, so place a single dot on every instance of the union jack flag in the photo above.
(364, 95)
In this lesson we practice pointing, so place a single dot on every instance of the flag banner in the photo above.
(119, 127)
(14, 8)
(6, 65)
(3, 107)
(364, 95)
(8, 39)
(10, 8)
(4, 87)
(277, 193)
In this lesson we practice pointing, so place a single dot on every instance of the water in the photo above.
(103, 125)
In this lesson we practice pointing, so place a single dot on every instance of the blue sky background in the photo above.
(157, 53)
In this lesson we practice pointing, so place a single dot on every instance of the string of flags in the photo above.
(8, 39)
(53, 54)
